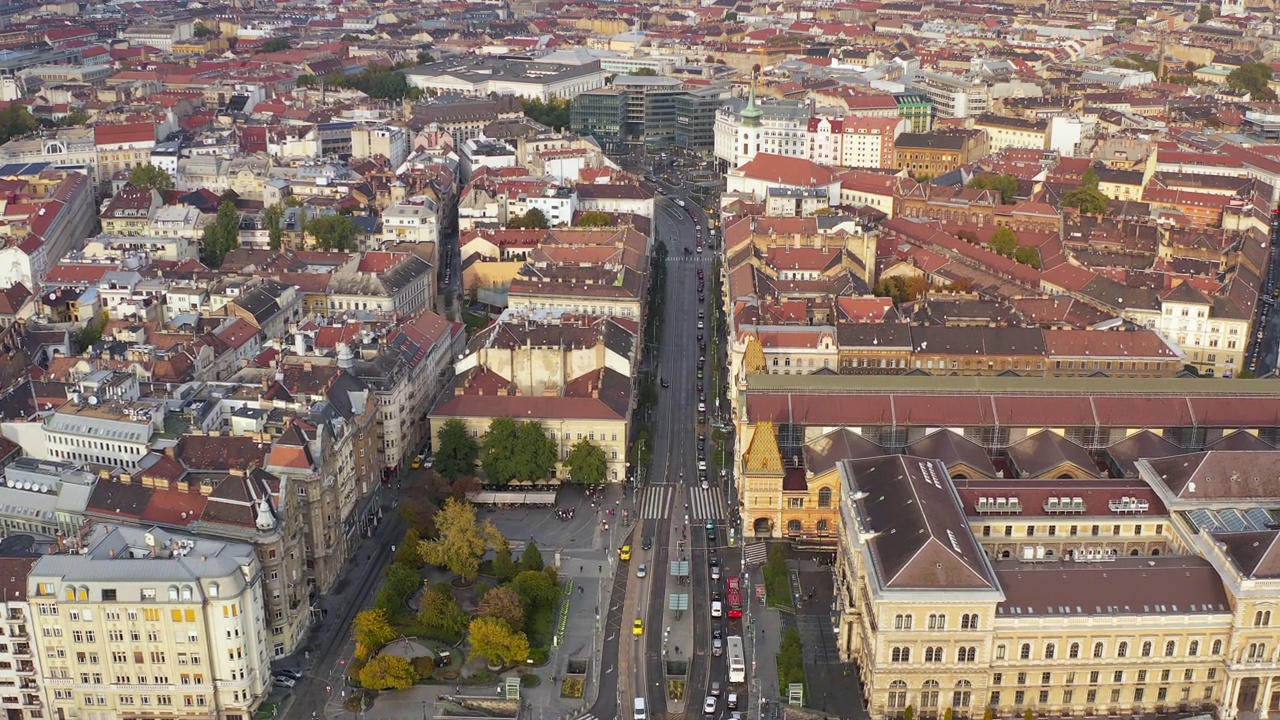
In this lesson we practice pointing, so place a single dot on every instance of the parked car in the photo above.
(284, 681)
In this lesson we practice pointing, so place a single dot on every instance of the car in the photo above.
(717, 645)
(701, 313)
(702, 466)
(429, 462)
(665, 383)
(715, 572)
(731, 701)
(699, 273)
(624, 553)
(699, 387)
(637, 628)
(646, 543)
(701, 325)
(284, 681)
(715, 688)
(701, 298)
(642, 570)
(699, 373)
(292, 674)
(417, 462)
(699, 248)
(711, 532)
(709, 705)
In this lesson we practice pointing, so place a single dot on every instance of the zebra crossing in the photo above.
(706, 504)
(655, 501)
(755, 553)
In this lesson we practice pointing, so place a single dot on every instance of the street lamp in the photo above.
(424, 710)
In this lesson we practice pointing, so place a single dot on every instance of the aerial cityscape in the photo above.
(520, 360)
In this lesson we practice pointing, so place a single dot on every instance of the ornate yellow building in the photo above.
(1062, 597)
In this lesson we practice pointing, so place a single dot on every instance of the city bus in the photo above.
(736, 659)
(734, 596)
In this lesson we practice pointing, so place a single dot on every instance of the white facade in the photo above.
(482, 76)
(1065, 134)
(389, 141)
(415, 223)
(140, 622)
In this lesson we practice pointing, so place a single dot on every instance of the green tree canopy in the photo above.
(222, 235)
(537, 589)
(333, 232)
(594, 218)
(1253, 77)
(498, 450)
(587, 463)
(388, 672)
(376, 81)
(273, 219)
(276, 45)
(150, 177)
(534, 219)
(1006, 184)
(461, 540)
(440, 611)
(16, 120)
(457, 452)
(504, 566)
(200, 31)
(496, 641)
(531, 558)
(1086, 200)
(1205, 14)
(1027, 256)
(902, 289)
(554, 113)
(536, 452)
(644, 72)
(1090, 178)
(77, 117)
(1004, 241)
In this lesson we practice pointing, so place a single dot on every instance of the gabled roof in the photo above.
(1047, 451)
(824, 453)
(953, 449)
(920, 537)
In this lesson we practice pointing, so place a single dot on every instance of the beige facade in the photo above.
(1074, 598)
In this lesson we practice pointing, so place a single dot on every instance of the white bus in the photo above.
(737, 660)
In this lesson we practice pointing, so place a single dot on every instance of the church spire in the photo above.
(751, 114)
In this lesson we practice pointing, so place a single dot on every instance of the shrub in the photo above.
(530, 680)
(572, 687)
(424, 666)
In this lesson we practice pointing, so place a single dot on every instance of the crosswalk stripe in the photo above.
(654, 503)
(705, 504)
(755, 553)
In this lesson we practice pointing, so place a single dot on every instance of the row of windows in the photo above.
(72, 593)
(1073, 530)
(1147, 649)
(936, 621)
(962, 695)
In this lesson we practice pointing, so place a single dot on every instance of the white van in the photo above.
(637, 712)
(717, 609)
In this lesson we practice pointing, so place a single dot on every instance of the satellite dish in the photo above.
(93, 399)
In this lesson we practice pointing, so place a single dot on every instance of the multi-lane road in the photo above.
(674, 507)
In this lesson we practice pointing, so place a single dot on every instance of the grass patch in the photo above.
(791, 662)
(474, 321)
(573, 687)
(777, 586)
(266, 711)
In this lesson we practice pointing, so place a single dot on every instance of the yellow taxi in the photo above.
(638, 628)
(417, 463)
(624, 553)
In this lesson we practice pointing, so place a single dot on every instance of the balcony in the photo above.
(22, 650)
(26, 668)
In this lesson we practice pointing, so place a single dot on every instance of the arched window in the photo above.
(937, 622)
(1097, 650)
(1049, 651)
(824, 498)
(1000, 652)
(930, 655)
(1122, 650)
(1194, 648)
(1146, 649)
(901, 622)
(173, 593)
(901, 654)
(897, 694)
(1169, 648)
(793, 526)
(213, 589)
(966, 654)
(1074, 651)
(1217, 647)
(186, 592)
(823, 526)
(963, 694)
(969, 621)
(929, 695)
(71, 594)
(1025, 652)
